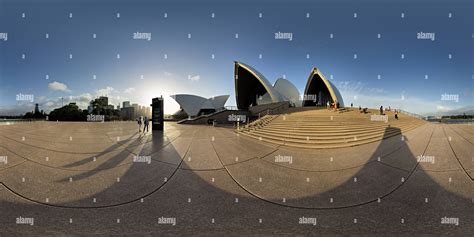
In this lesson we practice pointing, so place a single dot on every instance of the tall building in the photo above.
(148, 112)
(127, 113)
(126, 104)
(132, 111)
(98, 105)
(103, 101)
(137, 111)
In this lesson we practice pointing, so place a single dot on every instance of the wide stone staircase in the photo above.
(322, 128)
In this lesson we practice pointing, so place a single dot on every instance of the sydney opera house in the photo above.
(253, 89)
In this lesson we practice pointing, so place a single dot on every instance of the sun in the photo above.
(170, 106)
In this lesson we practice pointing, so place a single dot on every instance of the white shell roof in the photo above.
(288, 91)
(192, 104)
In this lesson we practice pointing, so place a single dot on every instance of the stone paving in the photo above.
(106, 178)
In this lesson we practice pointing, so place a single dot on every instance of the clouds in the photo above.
(58, 86)
(47, 104)
(400, 100)
(194, 78)
(358, 87)
(371, 97)
(442, 109)
(105, 91)
(129, 90)
(81, 100)
(361, 94)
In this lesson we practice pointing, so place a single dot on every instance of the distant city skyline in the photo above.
(416, 56)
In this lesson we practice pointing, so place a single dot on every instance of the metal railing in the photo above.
(258, 123)
(272, 111)
(412, 114)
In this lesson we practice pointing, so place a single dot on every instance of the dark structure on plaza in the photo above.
(157, 113)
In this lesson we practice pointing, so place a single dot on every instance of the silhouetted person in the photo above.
(351, 105)
(337, 105)
(139, 121)
(381, 110)
(145, 124)
(396, 115)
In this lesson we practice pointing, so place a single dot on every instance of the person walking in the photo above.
(139, 121)
(145, 124)
(381, 110)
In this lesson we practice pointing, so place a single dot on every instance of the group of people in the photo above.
(145, 122)
(389, 109)
(364, 110)
(334, 106)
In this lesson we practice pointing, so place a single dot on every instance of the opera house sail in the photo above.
(319, 91)
(252, 88)
(193, 105)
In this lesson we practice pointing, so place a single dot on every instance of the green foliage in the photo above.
(70, 112)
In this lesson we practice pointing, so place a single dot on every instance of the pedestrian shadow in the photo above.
(110, 163)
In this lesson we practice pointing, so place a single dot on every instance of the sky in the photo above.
(369, 49)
